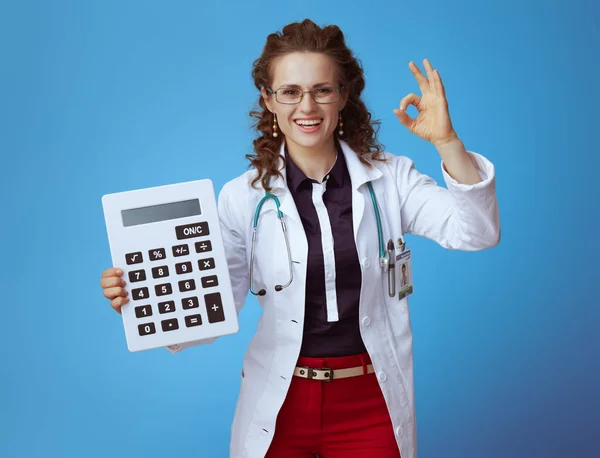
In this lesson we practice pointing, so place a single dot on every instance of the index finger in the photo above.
(112, 272)
(423, 83)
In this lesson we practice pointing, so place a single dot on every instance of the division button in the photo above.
(214, 307)
(146, 328)
(203, 246)
(190, 303)
(207, 263)
(134, 258)
(169, 325)
(208, 282)
(181, 250)
(193, 320)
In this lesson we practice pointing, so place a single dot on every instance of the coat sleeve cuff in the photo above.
(484, 167)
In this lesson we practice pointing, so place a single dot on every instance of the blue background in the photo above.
(107, 96)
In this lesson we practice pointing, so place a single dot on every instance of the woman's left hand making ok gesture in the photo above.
(433, 121)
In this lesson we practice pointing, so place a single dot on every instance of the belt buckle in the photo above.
(327, 373)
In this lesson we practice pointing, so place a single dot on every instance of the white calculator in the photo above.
(167, 240)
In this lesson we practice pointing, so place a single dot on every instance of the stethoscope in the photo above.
(387, 259)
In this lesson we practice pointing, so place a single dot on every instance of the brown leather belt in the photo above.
(325, 374)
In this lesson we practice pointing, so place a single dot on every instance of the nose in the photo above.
(307, 104)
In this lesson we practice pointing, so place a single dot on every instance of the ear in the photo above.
(267, 99)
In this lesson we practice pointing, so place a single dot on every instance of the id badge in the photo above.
(404, 274)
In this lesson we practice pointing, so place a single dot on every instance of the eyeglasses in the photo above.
(292, 95)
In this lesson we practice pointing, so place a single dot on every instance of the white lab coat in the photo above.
(461, 217)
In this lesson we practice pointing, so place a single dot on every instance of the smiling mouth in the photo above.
(308, 123)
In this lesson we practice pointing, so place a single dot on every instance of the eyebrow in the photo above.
(314, 85)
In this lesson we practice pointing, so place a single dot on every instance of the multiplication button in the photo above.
(169, 325)
(134, 258)
(210, 281)
(157, 254)
(203, 246)
(214, 307)
(206, 263)
(189, 303)
(146, 328)
(193, 320)
(181, 250)
(137, 275)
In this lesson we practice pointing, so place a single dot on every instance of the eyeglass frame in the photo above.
(339, 90)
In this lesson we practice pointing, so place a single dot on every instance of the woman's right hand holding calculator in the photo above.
(113, 286)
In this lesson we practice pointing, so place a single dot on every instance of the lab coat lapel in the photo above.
(360, 174)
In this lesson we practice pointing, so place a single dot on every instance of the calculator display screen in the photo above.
(162, 212)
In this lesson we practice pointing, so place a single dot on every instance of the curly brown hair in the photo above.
(360, 132)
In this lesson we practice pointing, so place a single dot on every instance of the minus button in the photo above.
(210, 281)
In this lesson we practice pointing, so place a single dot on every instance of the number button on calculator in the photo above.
(163, 290)
(159, 272)
(166, 307)
(137, 275)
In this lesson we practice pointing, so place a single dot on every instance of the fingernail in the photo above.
(124, 293)
(119, 271)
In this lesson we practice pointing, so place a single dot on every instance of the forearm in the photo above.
(457, 162)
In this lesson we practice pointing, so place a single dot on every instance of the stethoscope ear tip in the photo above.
(262, 292)
(278, 287)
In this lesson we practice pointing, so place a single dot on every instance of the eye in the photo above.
(290, 91)
(325, 90)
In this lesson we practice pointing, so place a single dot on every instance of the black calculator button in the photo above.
(134, 258)
(163, 290)
(189, 303)
(169, 325)
(146, 328)
(143, 311)
(137, 275)
(187, 285)
(157, 254)
(193, 320)
(206, 263)
(203, 246)
(159, 272)
(183, 267)
(140, 293)
(210, 281)
(189, 231)
(181, 250)
(166, 307)
(214, 307)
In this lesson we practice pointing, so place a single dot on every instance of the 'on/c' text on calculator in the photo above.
(167, 240)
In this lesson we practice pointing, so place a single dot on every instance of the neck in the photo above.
(314, 162)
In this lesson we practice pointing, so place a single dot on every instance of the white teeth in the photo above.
(312, 122)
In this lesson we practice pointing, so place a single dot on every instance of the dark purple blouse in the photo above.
(322, 338)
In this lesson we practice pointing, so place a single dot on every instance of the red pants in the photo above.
(344, 418)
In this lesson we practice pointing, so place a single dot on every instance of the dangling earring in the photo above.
(274, 125)
(341, 131)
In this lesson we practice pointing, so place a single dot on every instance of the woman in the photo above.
(329, 370)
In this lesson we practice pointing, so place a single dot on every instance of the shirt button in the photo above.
(382, 376)
(366, 263)
(366, 321)
(399, 431)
